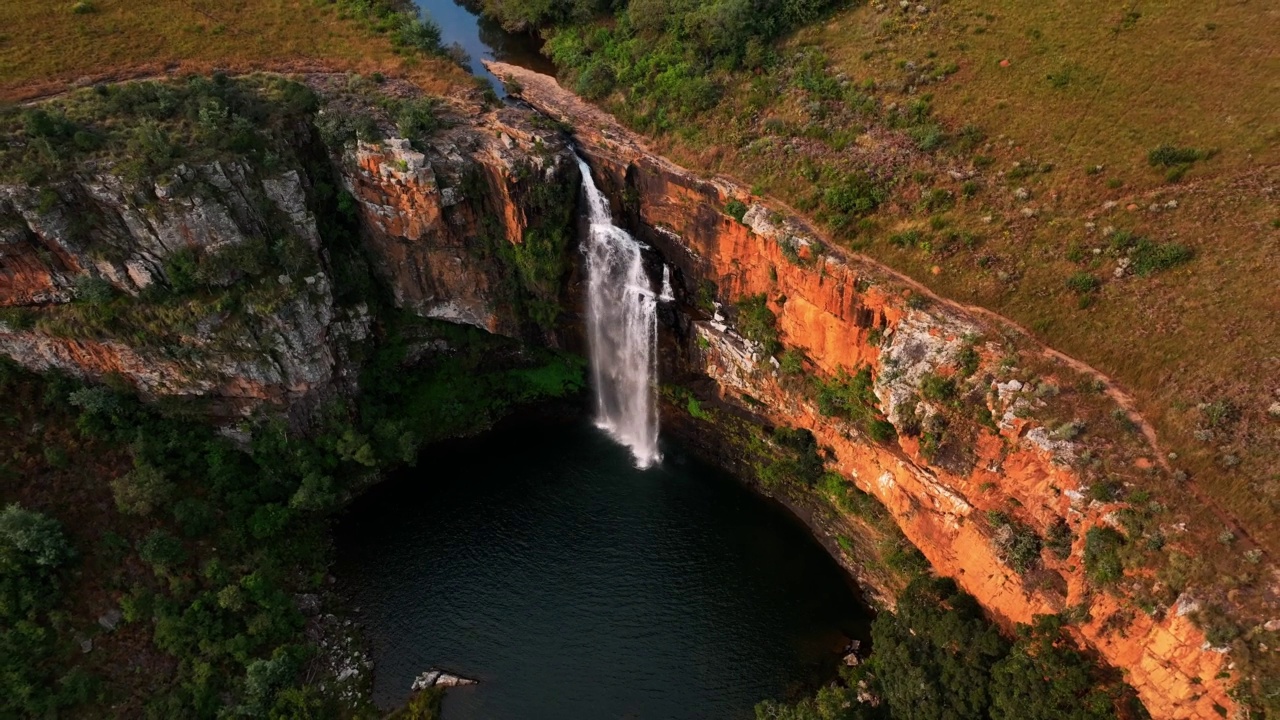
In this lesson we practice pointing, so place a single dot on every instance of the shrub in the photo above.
(791, 362)
(937, 200)
(1102, 564)
(417, 120)
(1220, 413)
(695, 409)
(1045, 678)
(141, 490)
(162, 551)
(854, 195)
(906, 238)
(596, 80)
(937, 388)
(968, 360)
(1170, 156)
(934, 655)
(1083, 283)
(797, 462)
(1017, 544)
(414, 32)
(1058, 539)
(1147, 256)
(94, 290)
(30, 540)
(735, 209)
(757, 322)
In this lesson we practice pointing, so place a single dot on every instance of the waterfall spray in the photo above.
(622, 331)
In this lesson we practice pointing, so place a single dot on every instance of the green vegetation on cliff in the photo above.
(152, 565)
(937, 656)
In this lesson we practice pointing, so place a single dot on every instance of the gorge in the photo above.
(379, 271)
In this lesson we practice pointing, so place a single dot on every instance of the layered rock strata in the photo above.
(844, 313)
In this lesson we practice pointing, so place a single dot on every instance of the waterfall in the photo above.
(622, 331)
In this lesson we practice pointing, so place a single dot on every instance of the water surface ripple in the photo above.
(540, 561)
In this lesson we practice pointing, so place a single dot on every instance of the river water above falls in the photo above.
(483, 39)
(540, 561)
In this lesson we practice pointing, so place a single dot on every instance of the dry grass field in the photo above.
(47, 46)
(1067, 102)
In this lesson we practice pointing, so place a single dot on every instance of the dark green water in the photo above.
(538, 560)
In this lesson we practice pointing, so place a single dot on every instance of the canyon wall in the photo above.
(961, 484)
(232, 284)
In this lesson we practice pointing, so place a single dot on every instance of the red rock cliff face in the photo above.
(844, 313)
(433, 219)
(434, 224)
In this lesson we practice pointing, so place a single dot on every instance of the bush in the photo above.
(735, 209)
(417, 120)
(938, 389)
(934, 655)
(1058, 539)
(1102, 564)
(798, 461)
(757, 323)
(1150, 257)
(1017, 544)
(853, 196)
(417, 33)
(31, 542)
(141, 490)
(94, 290)
(791, 362)
(1170, 156)
(1045, 678)
(162, 551)
(695, 409)
(1083, 283)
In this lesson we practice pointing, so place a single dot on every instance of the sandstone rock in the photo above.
(439, 678)
(110, 619)
(830, 313)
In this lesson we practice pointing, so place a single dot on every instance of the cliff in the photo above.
(237, 277)
(997, 444)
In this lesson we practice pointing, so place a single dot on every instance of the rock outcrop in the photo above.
(844, 313)
(125, 247)
(216, 281)
(433, 219)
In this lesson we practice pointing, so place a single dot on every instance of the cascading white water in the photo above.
(622, 331)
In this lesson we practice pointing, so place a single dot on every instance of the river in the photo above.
(483, 39)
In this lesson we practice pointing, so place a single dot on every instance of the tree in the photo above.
(30, 542)
(141, 490)
(934, 655)
(1045, 678)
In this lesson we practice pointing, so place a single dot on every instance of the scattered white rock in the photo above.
(1186, 605)
(110, 619)
(1274, 410)
(1022, 194)
(439, 678)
